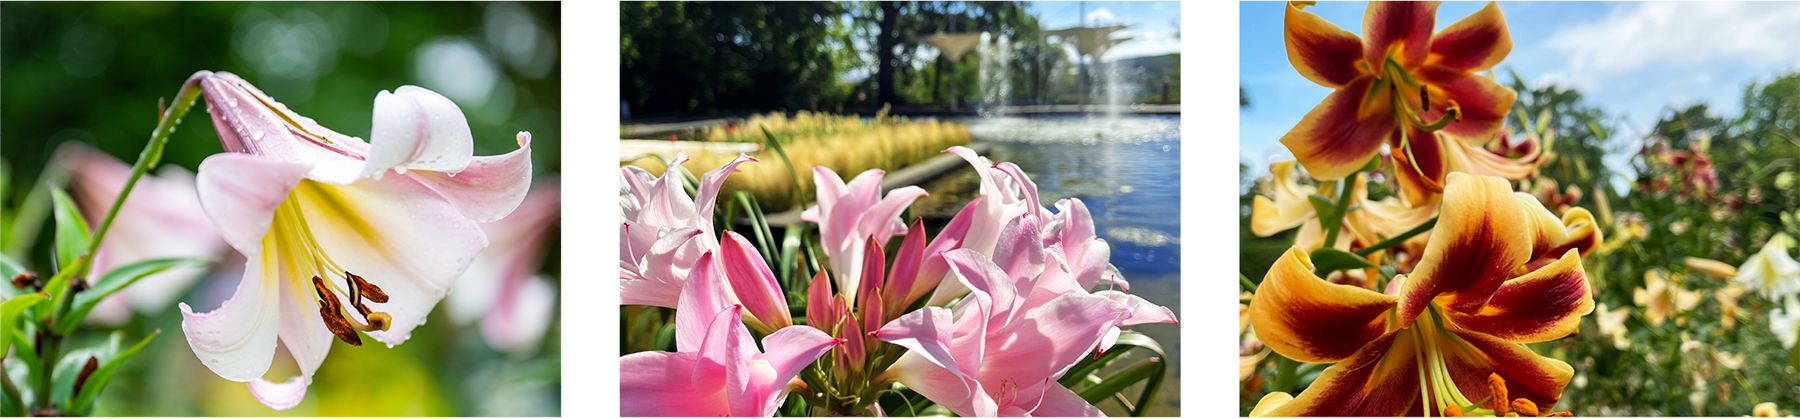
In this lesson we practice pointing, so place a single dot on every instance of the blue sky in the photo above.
(1153, 24)
(1631, 59)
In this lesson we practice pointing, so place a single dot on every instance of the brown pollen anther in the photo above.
(366, 289)
(332, 312)
(1424, 99)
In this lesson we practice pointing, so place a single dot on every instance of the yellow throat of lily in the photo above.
(300, 251)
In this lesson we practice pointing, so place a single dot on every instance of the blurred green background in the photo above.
(94, 72)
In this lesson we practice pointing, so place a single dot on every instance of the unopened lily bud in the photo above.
(753, 283)
(1712, 268)
(868, 291)
(819, 309)
(905, 272)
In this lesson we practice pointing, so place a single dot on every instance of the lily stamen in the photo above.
(332, 312)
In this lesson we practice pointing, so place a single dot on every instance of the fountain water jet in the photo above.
(996, 75)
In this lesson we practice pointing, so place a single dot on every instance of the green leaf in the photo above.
(1322, 205)
(27, 357)
(56, 287)
(790, 253)
(9, 316)
(1327, 259)
(71, 231)
(5, 180)
(759, 225)
(83, 403)
(28, 217)
(1127, 341)
(1794, 357)
(69, 366)
(116, 280)
(792, 175)
(1141, 371)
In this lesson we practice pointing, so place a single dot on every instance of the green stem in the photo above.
(152, 154)
(1396, 240)
(1245, 281)
(12, 393)
(1285, 373)
(48, 343)
(1343, 205)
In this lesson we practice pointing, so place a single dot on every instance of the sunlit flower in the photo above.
(1766, 410)
(1420, 168)
(717, 369)
(1399, 84)
(502, 288)
(850, 214)
(664, 230)
(1728, 360)
(1463, 313)
(1002, 199)
(1612, 324)
(1771, 272)
(1728, 297)
(331, 224)
(1785, 322)
(1004, 353)
(1662, 299)
(1366, 223)
(161, 219)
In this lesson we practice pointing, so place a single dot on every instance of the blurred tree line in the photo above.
(703, 58)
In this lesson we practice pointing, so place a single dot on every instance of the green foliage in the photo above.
(689, 57)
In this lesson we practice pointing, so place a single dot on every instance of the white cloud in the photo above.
(1101, 16)
(1636, 36)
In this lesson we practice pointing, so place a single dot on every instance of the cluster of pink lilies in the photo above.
(1008, 289)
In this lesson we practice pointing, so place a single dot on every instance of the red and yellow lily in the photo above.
(1433, 340)
(1402, 84)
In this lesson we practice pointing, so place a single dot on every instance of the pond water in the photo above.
(1128, 172)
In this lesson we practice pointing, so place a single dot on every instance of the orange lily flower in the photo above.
(1432, 341)
(1402, 85)
(1365, 224)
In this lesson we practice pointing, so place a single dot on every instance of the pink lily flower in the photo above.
(1068, 235)
(161, 219)
(717, 369)
(665, 231)
(1003, 198)
(848, 215)
(1021, 327)
(330, 224)
(502, 288)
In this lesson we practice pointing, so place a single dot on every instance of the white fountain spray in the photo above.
(996, 74)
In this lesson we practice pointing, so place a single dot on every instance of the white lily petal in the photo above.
(418, 129)
(240, 192)
(279, 396)
(237, 340)
(398, 235)
(490, 187)
(302, 331)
